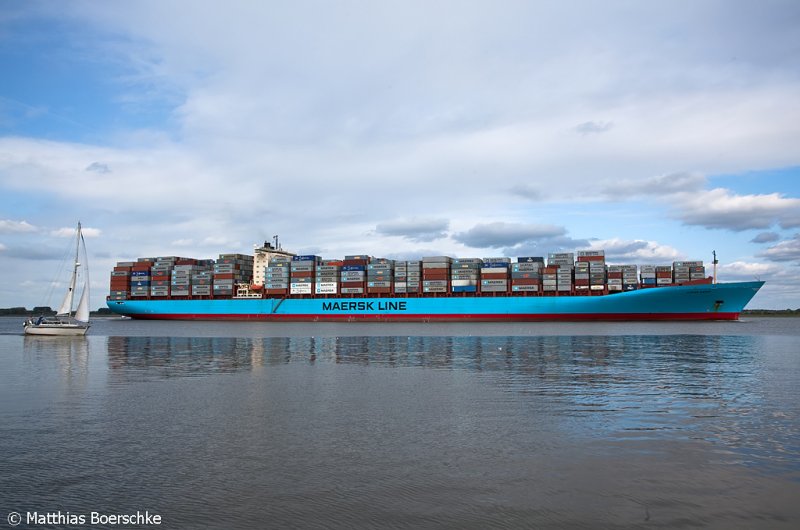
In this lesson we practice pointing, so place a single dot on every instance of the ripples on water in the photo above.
(406, 431)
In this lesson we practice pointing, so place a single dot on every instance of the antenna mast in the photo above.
(714, 252)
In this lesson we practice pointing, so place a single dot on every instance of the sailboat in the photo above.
(68, 322)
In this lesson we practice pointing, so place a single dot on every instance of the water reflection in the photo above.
(69, 356)
(584, 357)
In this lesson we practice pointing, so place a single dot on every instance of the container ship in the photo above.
(275, 285)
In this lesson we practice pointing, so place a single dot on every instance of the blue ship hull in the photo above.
(690, 302)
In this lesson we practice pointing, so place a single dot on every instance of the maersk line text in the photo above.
(364, 306)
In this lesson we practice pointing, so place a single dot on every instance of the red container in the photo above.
(223, 276)
(525, 281)
(494, 276)
(276, 291)
(587, 259)
(379, 290)
(352, 284)
(364, 262)
(302, 274)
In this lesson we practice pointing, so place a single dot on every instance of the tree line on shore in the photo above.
(43, 310)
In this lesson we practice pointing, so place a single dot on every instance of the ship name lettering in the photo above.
(363, 306)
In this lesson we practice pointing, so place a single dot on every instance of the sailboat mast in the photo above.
(75, 266)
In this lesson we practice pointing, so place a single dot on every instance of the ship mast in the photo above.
(714, 252)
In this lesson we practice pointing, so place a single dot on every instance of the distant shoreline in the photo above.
(23, 312)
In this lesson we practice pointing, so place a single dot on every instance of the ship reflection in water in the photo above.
(197, 356)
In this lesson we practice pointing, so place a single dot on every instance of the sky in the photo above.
(657, 131)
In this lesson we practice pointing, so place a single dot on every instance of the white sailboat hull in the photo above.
(68, 329)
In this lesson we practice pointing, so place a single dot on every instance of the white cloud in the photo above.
(636, 251)
(766, 237)
(415, 229)
(721, 208)
(98, 167)
(15, 227)
(70, 232)
(657, 185)
(593, 127)
(744, 270)
(499, 234)
(788, 250)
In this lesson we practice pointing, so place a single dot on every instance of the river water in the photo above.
(245, 425)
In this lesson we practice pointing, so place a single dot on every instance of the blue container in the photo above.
(465, 289)
(140, 283)
(305, 258)
(349, 268)
(140, 273)
(495, 265)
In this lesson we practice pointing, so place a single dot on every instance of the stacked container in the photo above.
(565, 261)
(191, 276)
(629, 279)
(465, 275)
(302, 269)
(229, 270)
(622, 278)
(276, 276)
(407, 277)
(380, 274)
(550, 279)
(495, 275)
(647, 275)
(663, 275)
(400, 285)
(614, 277)
(597, 268)
(327, 277)
(203, 280)
(436, 274)
(686, 271)
(120, 286)
(526, 274)
(180, 276)
(354, 274)
(583, 277)
(414, 282)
